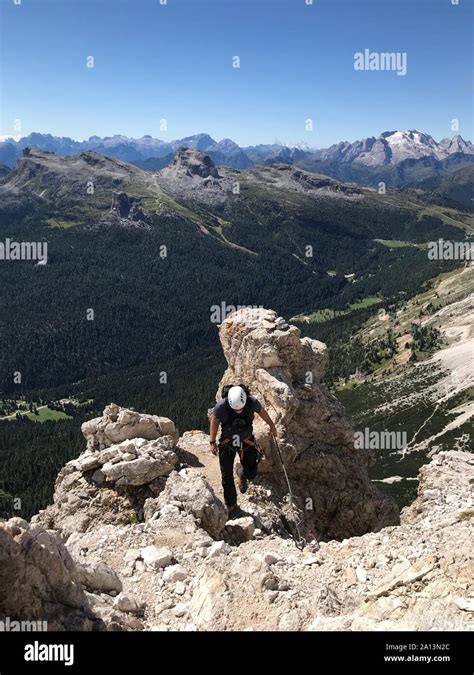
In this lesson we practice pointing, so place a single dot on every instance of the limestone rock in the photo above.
(218, 548)
(119, 424)
(155, 557)
(208, 603)
(40, 582)
(402, 575)
(109, 485)
(175, 573)
(452, 473)
(190, 489)
(173, 576)
(137, 539)
(126, 603)
(99, 577)
(239, 530)
(315, 436)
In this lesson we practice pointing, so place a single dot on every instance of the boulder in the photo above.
(239, 530)
(191, 490)
(126, 603)
(99, 577)
(218, 548)
(119, 424)
(209, 599)
(155, 557)
(175, 573)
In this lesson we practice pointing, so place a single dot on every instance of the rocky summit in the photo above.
(189, 167)
(137, 537)
(284, 371)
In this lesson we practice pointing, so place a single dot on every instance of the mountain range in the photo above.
(230, 235)
(395, 157)
(393, 147)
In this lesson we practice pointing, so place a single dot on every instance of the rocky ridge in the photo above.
(137, 537)
(168, 573)
(369, 150)
(392, 147)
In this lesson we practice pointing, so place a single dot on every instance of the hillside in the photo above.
(142, 266)
(456, 186)
(423, 389)
(138, 538)
(143, 234)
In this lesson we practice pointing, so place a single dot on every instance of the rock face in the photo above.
(286, 177)
(128, 207)
(190, 162)
(119, 424)
(133, 462)
(193, 174)
(329, 475)
(111, 480)
(39, 580)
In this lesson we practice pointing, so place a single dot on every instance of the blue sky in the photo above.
(174, 62)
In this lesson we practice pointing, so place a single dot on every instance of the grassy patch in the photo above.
(394, 243)
(365, 302)
(326, 314)
(399, 243)
(44, 415)
(60, 223)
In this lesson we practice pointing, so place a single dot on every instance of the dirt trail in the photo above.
(196, 445)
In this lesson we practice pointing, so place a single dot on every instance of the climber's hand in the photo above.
(273, 429)
(213, 448)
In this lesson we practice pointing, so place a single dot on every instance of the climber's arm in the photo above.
(213, 433)
(266, 418)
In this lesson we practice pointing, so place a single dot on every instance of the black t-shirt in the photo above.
(228, 417)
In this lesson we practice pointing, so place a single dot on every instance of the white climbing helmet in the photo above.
(237, 398)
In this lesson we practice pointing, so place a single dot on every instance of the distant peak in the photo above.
(193, 163)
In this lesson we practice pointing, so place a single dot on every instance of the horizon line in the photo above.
(303, 144)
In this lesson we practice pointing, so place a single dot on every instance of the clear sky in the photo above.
(173, 61)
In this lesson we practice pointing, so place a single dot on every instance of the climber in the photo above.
(235, 413)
